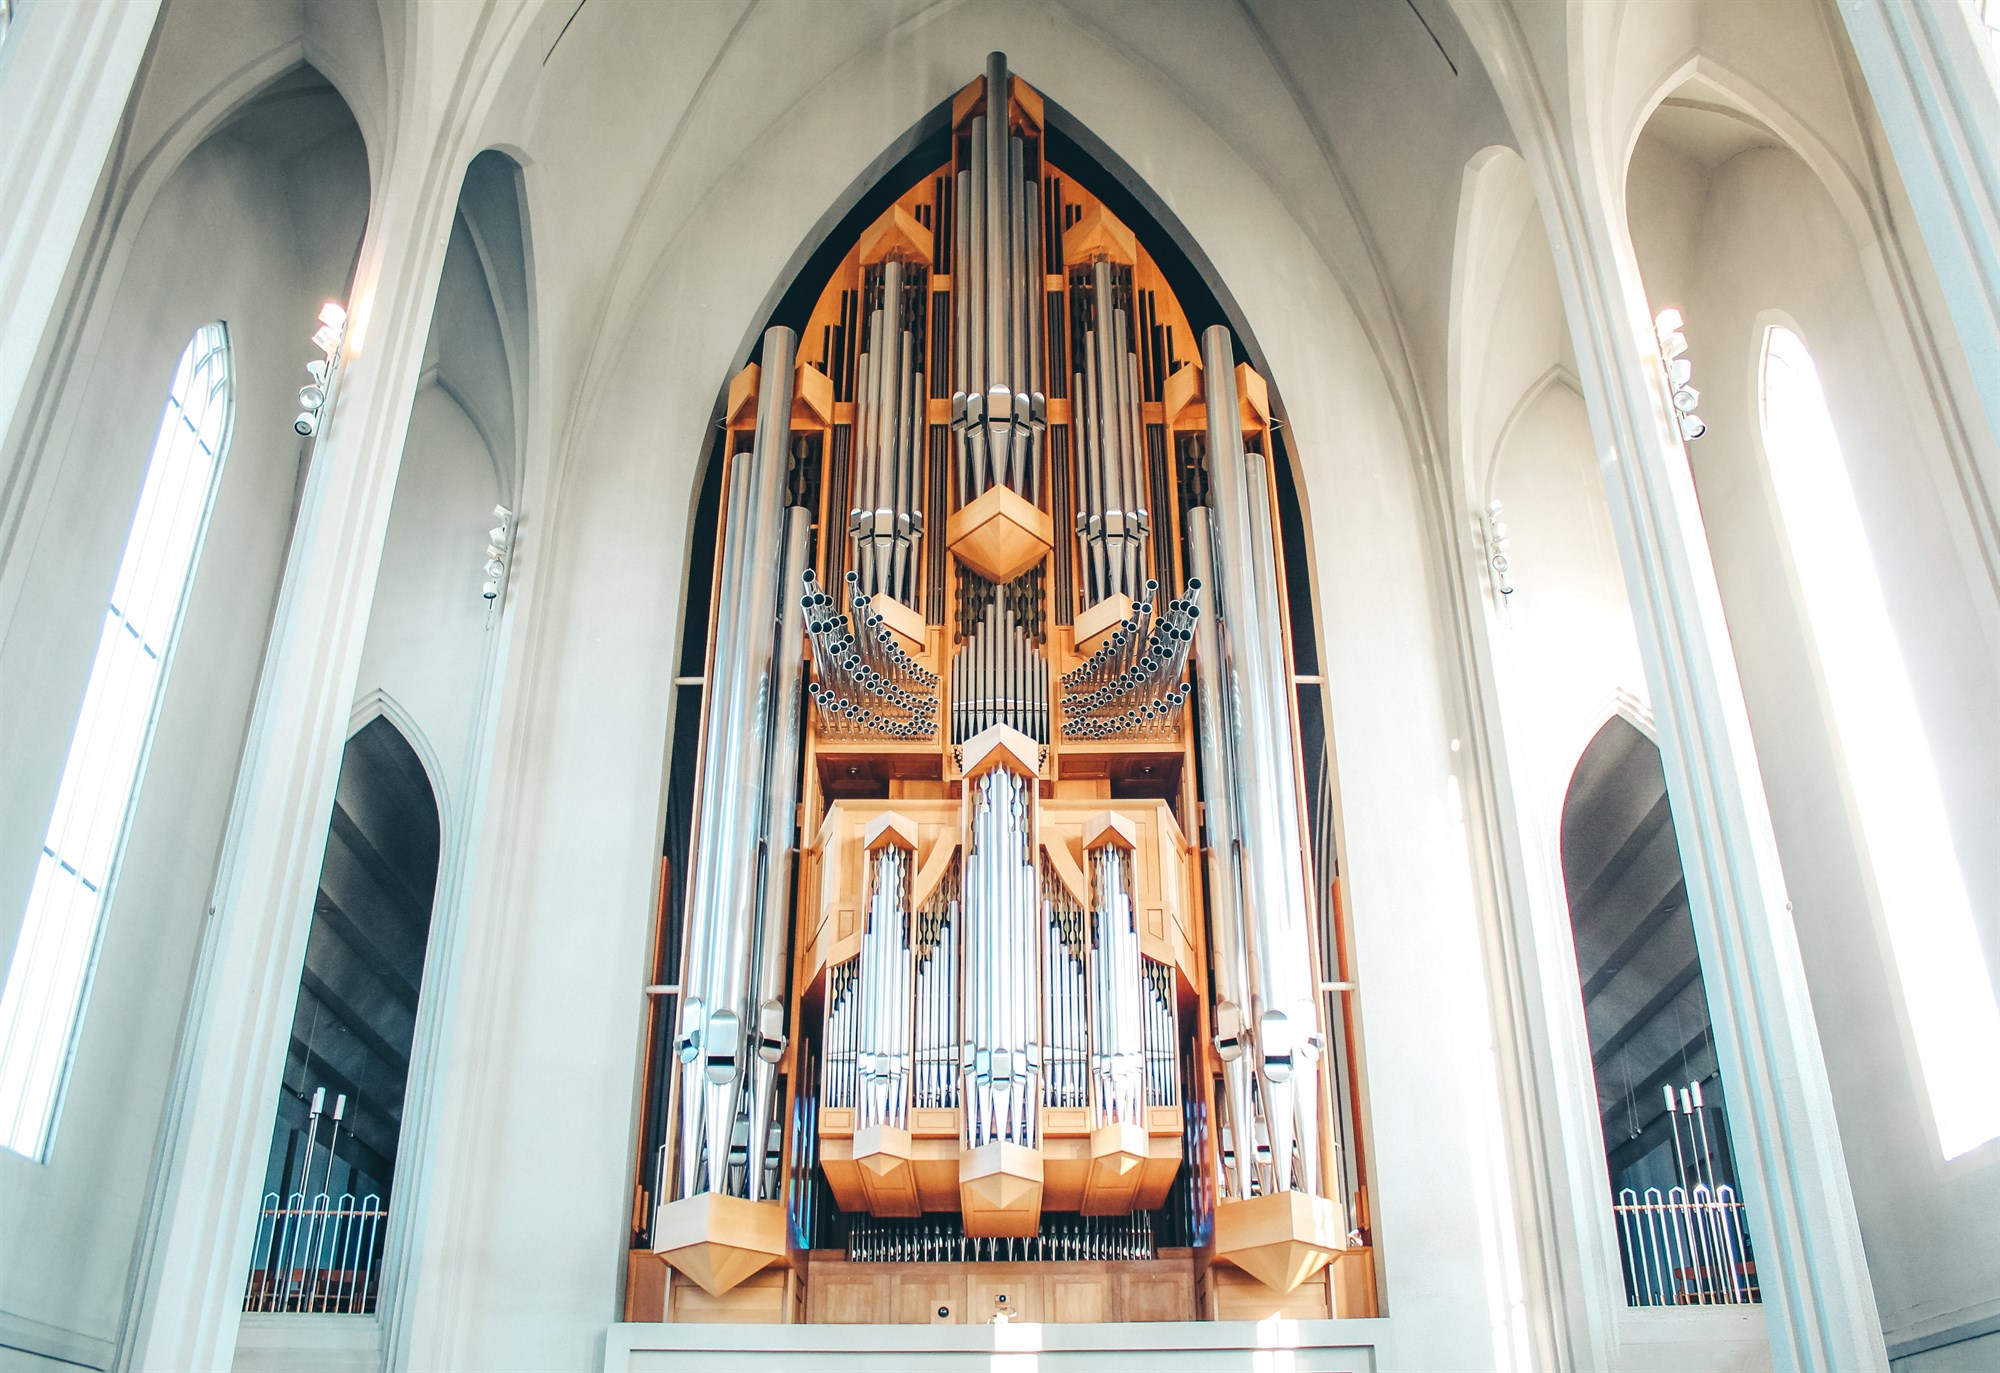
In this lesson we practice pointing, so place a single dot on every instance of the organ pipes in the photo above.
(1004, 694)
(1066, 991)
(1255, 773)
(723, 900)
(867, 684)
(780, 828)
(1133, 685)
(890, 427)
(1000, 1060)
(1117, 996)
(998, 412)
(936, 1037)
(1111, 469)
(998, 673)
(883, 1039)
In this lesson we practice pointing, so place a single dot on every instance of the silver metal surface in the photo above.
(774, 890)
(722, 904)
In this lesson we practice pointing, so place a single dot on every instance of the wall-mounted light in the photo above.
(499, 545)
(1497, 545)
(1667, 327)
(313, 395)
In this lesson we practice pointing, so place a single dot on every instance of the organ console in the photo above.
(1000, 946)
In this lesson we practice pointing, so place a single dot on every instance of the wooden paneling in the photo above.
(645, 1286)
(758, 1300)
(1240, 1297)
(842, 1293)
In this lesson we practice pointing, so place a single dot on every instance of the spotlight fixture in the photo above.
(320, 371)
(1497, 544)
(1679, 370)
(499, 543)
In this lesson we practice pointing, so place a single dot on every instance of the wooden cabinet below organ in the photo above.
(840, 1292)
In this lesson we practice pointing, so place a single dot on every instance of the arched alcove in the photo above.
(1734, 225)
(1660, 1097)
(332, 1164)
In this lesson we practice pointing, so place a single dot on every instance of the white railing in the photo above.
(1685, 1248)
(316, 1254)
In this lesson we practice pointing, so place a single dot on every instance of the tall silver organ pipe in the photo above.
(999, 413)
(781, 807)
(1296, 984)
(1066, 993)
(1000, 1059)
(891, 426)
(1117, 1006)
(1111, 462)
(883, 1043)
(1230, 969)
(1281, 970)
(721, 915)
(936, 1034)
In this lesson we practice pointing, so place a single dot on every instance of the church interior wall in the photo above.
(220, 241)
(1325, 194)
(1755, 239)
(585, 834)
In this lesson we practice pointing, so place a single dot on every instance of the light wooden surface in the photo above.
(842, 1293)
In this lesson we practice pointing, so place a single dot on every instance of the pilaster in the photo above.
(195, 1249)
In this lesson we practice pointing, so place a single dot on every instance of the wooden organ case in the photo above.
(995, 982)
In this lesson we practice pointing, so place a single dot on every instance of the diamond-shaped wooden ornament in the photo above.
(1099, 233)
(1000, 535)
(716, 1241)
(812, 398)
(1280, 1239)
(896, 234)
(1100, 622)
(1001, 746)
(888, 1176)
(1000, 1190)
(1109, 827)
(1118, 1157)
(890, 828)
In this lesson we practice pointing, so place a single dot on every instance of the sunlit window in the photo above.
(47, 977)
(1946, 989)
(1988, 14)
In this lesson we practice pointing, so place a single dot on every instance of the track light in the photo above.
(320, 370)
(499, 543)
(1497, 546)
(1679, 370)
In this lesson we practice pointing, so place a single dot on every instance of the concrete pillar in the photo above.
(66, 72)
(1934, 91)
(1818, 1300)
(1817, 1295)
(196, 1247)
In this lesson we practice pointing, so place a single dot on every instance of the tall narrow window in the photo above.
(1946, 989)
(47, 978)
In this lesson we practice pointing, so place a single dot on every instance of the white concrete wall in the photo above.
(218, 244)
(1762, 234)
(427, 632)
(549, 1011)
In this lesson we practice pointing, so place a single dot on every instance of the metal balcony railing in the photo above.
(317, 1254)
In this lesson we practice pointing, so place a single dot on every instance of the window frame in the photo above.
(34, 1067)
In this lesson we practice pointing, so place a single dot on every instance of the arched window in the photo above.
(1947, 992)
(50, 969)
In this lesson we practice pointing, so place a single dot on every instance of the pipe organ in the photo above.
(999, 936)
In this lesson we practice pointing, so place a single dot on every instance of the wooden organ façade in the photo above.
(999, 968)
